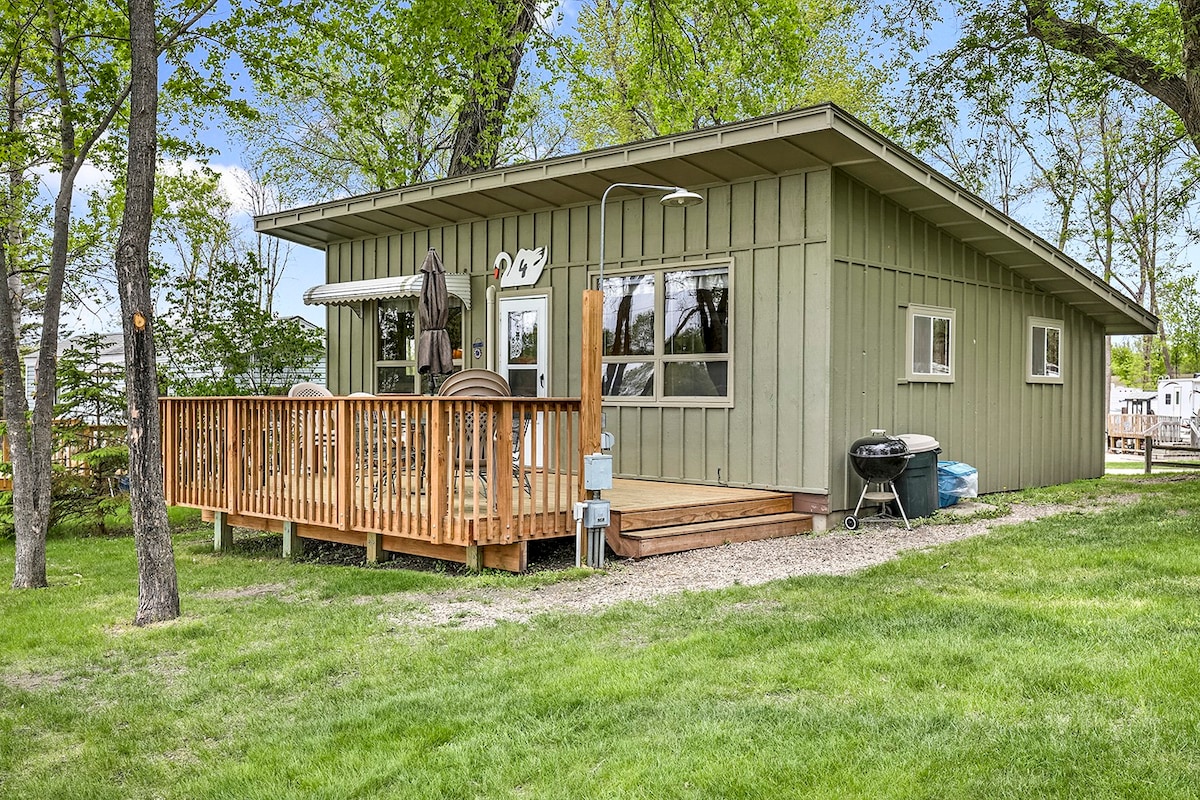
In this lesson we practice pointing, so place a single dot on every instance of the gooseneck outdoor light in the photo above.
(675, 197)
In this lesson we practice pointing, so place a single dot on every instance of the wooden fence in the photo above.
(70, 440)
(444, 471)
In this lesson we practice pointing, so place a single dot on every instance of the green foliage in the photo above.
(1137, 366)
(364, 96)
(91, 380)
(226, 342)
(644, 68)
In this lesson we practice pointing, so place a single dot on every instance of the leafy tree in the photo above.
(230, 342)
(364, 96)
(643, 68)
(91, 404)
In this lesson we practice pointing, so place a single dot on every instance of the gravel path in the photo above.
(751, 563)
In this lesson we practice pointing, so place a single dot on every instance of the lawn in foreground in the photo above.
(1057, 658)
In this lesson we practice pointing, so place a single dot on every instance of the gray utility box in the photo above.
(596, 514)
(597, 472)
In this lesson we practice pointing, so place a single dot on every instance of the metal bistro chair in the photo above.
(483, 383)
(306, 389)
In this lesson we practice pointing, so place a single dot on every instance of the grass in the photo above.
(1050, 659)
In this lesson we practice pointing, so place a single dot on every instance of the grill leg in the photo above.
(899, 505)
(861, 495)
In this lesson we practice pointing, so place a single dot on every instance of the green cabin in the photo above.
(830, 283)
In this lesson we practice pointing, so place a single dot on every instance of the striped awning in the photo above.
(356, 292)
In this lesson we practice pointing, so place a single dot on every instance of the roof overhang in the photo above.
(349, 293)
(822, 136)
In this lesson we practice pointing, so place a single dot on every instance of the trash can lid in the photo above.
(919, 442)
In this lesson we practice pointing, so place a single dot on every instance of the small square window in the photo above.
(930, 350)
(1044, 364)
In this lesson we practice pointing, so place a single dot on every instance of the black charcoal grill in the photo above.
(878, 459)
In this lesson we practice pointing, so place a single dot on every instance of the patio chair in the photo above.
(306, 389)
(483, 383)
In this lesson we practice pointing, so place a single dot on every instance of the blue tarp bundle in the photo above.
(956, 481)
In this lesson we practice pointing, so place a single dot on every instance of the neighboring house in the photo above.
(1178, 397)
(830, 284)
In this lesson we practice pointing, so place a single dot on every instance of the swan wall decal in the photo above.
(522, 270)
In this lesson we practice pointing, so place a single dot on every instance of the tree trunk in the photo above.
(158, 591)
(481, 118)
(32, 441)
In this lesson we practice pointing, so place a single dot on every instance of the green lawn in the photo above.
(1053, 659)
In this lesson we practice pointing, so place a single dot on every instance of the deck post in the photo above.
(1148, 443)
(293, 545)
(374, 548)
(590, 373)
(474, 558)
(222, 532)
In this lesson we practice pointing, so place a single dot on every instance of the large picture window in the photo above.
(398, 331)
(930, 344)
(666, 334)
(1045, 350)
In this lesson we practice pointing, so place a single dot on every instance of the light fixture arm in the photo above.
(604, 202)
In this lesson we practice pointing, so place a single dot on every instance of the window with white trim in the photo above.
(1044, 360)
(930, 344)
(666, 334)
(398, 331)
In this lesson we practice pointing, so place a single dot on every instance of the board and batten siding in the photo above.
(775, 230)
(1017, 434)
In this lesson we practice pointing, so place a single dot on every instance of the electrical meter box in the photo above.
(597, 472)
(596, 514)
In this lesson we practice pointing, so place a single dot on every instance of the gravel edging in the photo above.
(837, 552)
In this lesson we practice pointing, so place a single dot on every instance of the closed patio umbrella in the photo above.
(433, 350)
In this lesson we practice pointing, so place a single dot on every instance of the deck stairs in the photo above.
(673, 528)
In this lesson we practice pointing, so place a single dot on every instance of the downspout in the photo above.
(491, 361)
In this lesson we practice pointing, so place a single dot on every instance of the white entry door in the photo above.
(524, 345)
(524, 357)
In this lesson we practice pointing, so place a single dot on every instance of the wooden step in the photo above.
(677, 538)
(666, 515)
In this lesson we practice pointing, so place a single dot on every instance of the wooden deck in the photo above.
(470, 480)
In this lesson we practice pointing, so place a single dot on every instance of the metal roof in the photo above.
(354, 292)
(820, 136)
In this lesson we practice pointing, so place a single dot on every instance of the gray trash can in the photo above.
(917, 486)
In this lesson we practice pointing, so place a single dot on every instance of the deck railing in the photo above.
(1162, 428)
(463, 471)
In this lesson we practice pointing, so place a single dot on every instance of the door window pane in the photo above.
(522, 337)
(629, 315)
(523, 382)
